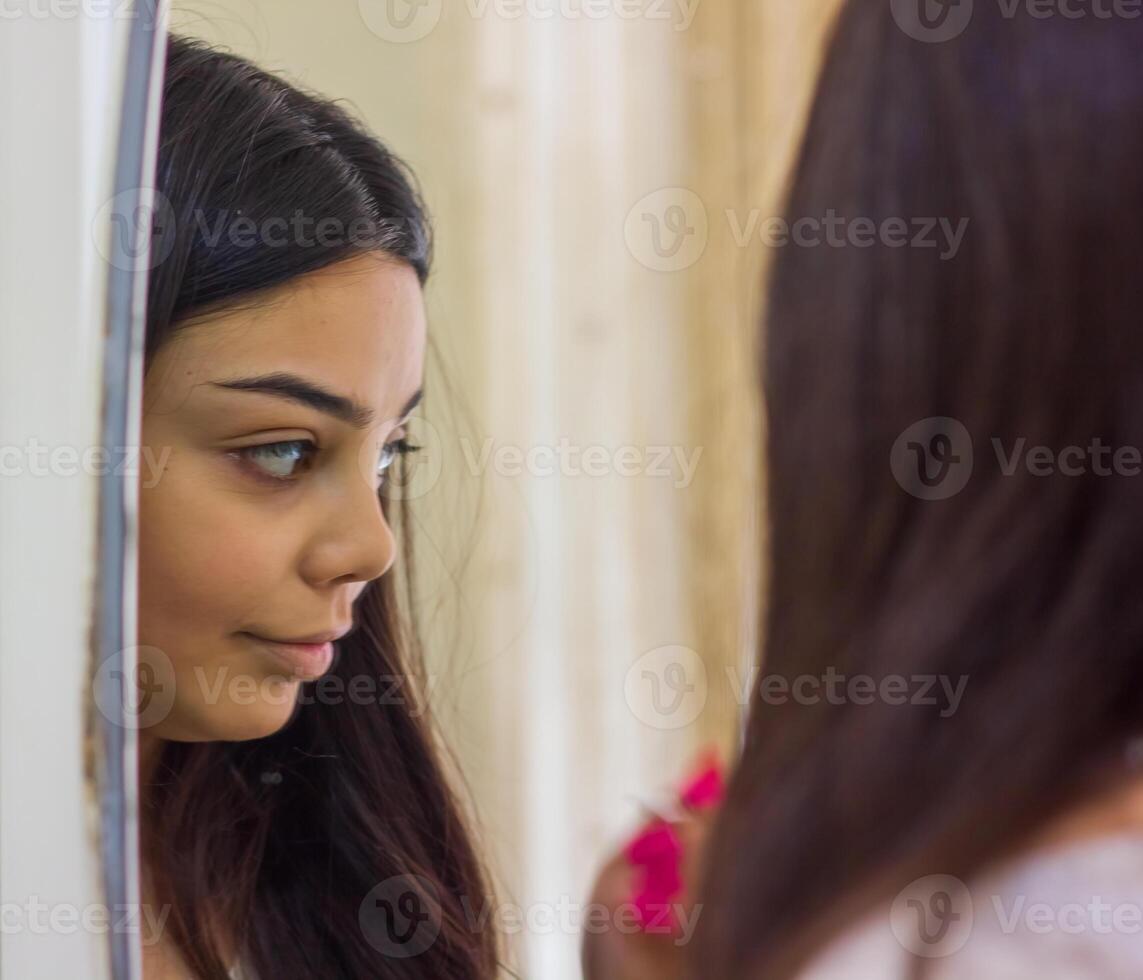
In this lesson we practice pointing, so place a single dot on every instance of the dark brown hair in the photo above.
(282, 839)
(1021, 583)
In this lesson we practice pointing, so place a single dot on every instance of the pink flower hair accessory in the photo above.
(657, 852)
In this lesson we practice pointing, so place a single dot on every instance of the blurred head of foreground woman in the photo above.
(917, 534)
(293, 802)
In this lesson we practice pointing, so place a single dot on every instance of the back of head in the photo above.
(979, 298)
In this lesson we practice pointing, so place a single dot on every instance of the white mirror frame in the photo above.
(79, 110)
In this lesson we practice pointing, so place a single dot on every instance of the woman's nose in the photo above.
(356, 541)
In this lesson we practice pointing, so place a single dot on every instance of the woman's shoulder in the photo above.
(1070, 911)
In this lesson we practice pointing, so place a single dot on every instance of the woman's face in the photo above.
(241, 538)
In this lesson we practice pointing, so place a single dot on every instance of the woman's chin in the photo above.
(255, 723)
(235, 723)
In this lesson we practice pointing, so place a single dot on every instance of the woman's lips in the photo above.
(306, 661)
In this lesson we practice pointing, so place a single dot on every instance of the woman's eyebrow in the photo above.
(299, 389)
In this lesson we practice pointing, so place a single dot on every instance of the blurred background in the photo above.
(599, 173)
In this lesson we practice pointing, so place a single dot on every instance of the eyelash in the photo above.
(399, 447)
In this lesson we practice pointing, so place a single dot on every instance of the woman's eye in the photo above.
(390, 451)
(286, 461)
(280, 459)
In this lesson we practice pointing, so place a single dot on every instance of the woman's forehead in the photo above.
(359, 331)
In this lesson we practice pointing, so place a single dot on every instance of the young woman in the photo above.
(296, 821)
(956, 526)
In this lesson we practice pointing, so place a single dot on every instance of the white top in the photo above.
(1072, 912)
